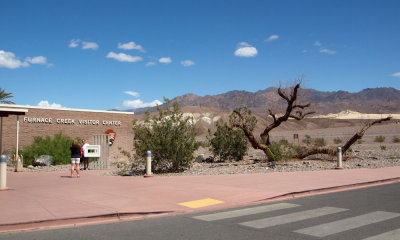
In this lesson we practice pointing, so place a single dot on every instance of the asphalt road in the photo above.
(369, 213)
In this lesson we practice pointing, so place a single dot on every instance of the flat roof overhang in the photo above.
(5, 112)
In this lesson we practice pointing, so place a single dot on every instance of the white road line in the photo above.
(245, 212)
(293, 217)
(347, 224)
(392, 235)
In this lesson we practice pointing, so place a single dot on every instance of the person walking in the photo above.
(85, 160)
(75, 157)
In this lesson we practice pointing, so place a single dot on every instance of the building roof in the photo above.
(4, 112)
(17, 108)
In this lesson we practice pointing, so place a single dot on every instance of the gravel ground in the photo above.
(362, 156)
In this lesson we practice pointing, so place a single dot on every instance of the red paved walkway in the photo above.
(36, 197)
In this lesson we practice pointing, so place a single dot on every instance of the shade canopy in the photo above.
(5, 112)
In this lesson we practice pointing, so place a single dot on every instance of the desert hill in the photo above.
(370, 100)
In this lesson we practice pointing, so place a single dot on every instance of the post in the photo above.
(148, 165)
(16, 151)
(19, 163)
(1, 135)
(3, 172)
(339, 158)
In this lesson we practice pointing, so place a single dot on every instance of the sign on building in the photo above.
(92, 151)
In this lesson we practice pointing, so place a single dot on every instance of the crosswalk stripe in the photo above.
(293, 217)
(347, 224)
(245, 212)
(392, 235)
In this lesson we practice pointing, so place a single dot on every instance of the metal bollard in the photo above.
(18, 164)
(3, 172)
(339, 158)
(148, 165)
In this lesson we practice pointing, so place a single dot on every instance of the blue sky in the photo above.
(125, 54)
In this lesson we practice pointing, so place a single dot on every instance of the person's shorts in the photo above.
(85, 159)
(75, 160)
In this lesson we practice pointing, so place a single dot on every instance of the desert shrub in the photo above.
(227, 144)
(379, 139)
(276, 150)
(169, 136)
(284, 142)
(349, 150)
(307, 139)
(204, 144)
(284, 151)
(337, 140)
(396, 139)
(125, 153)
(360, 141)
(58, 147)
(319, 142)
(383, 148)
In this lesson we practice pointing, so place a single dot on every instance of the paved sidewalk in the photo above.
(38, 197)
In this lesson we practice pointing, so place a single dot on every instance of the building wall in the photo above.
(72, 122)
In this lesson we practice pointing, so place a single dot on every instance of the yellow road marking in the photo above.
(201, 203)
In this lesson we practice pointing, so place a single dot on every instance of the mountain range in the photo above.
(370, 100)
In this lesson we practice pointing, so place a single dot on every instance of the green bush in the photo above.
(319, 142)
(307, 139)
(58, 147)
(169, 136)
(284, 151)
(396, 140)
(379, 139)
(227, 144)
(360, 141)
(383, 148)
(337, 140)
(277, 151)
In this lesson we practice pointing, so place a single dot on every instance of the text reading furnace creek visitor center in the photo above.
(69, 121)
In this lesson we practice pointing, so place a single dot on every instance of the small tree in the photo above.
(227, 144)
(169, 136)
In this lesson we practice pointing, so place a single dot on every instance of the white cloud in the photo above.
(327, 51)
(44, 103)
(130, 46)
(317, 43)
(246, 50)
(304, 51)
(134, 94)
(122, 57)
(36, 60)
(74, 43)
(150, 64)
(396, 74)
(138, 104)
(9, 60)
(165, 60)
(272, 38)
(90, 45)
(187, 63)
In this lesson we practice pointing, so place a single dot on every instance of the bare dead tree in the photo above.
(243, 119)
(291, 107)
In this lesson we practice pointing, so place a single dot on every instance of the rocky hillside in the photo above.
(370, 100)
